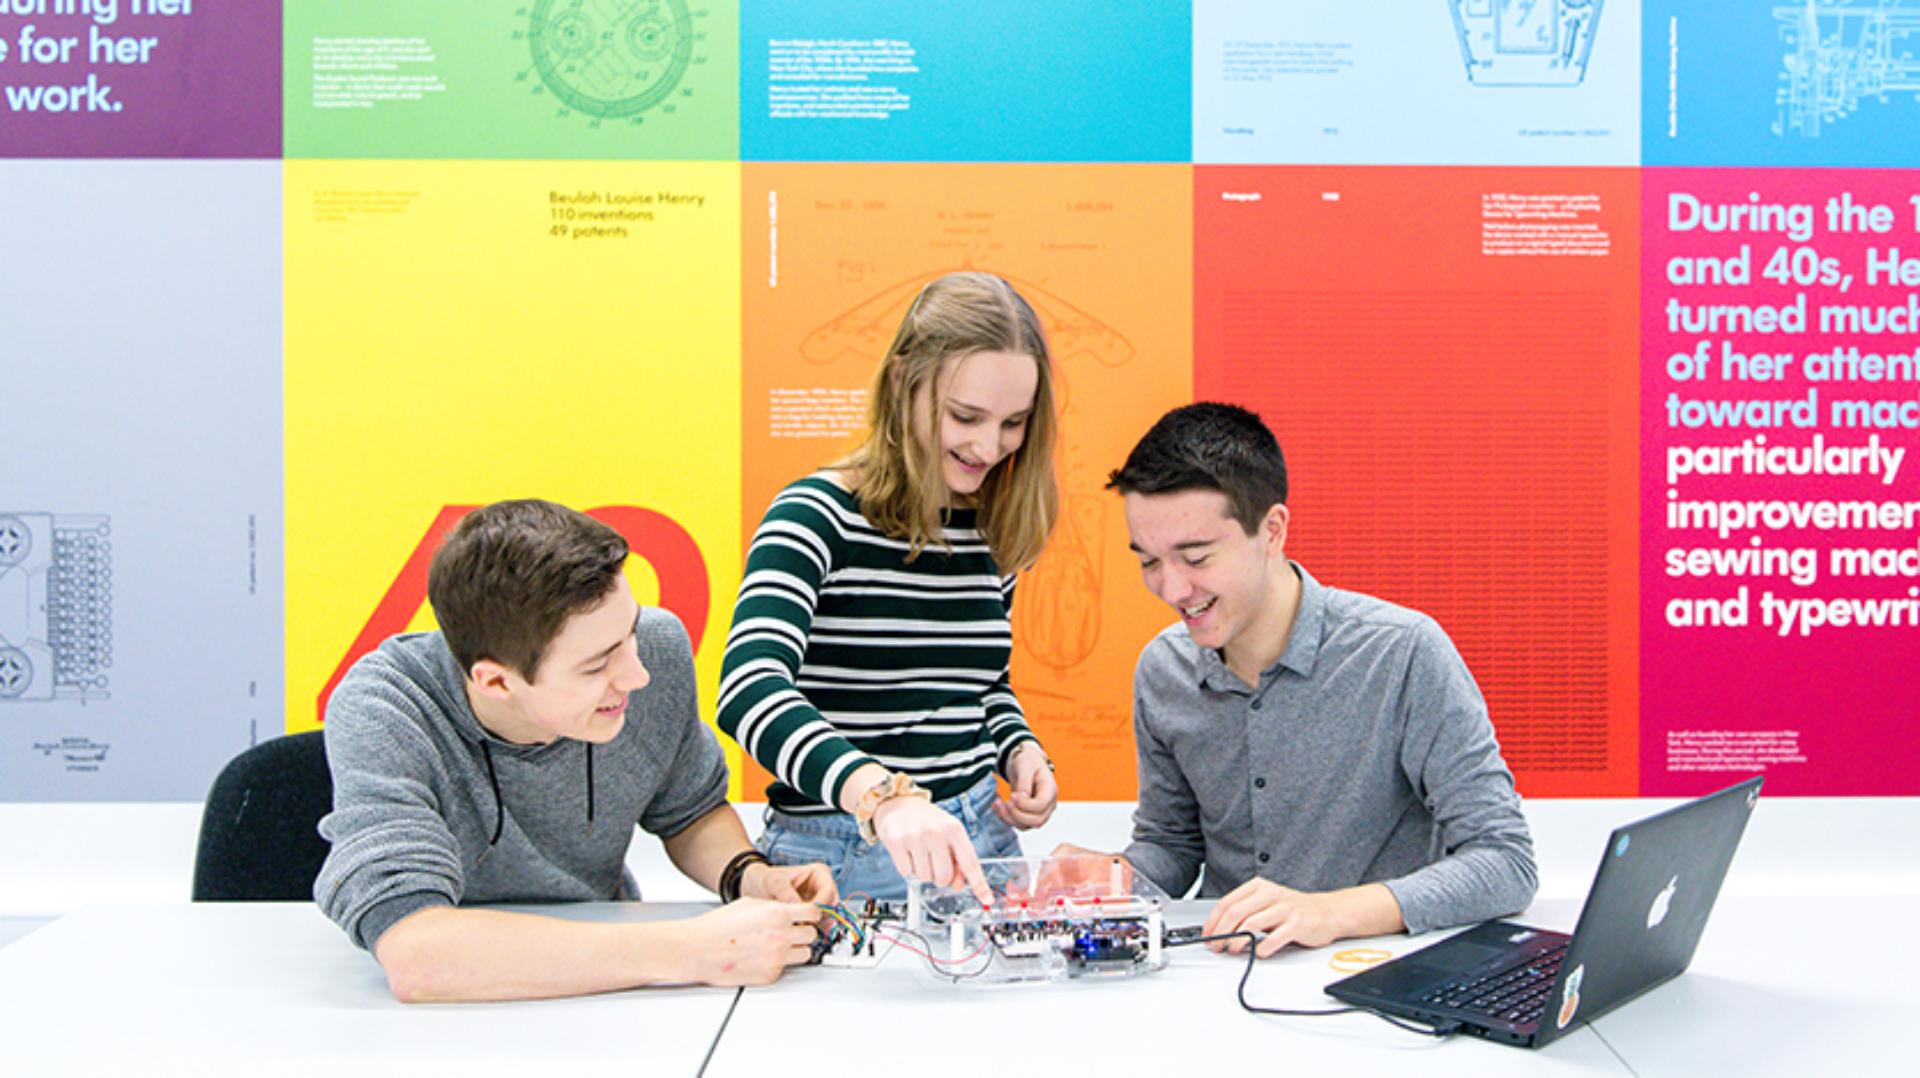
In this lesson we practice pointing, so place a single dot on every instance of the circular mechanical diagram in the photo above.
(16, 542)
(16, 672)
(611, 58)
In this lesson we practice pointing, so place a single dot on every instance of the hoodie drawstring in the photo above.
(499, 805)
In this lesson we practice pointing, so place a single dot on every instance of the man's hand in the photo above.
(1032, 792)
(789, 883)
(928, 843)
(749, 942)
(1077, 872)
(1306, 918)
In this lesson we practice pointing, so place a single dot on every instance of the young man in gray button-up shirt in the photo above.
(1324, 755)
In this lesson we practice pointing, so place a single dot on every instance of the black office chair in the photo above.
(259, 836)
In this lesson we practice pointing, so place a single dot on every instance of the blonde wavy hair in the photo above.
(896, 472)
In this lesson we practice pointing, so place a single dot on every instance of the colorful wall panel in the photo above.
(1589, 327)
(1780, 559)
(143, 78)
(1445, 83)
(141, 589)
(1457, 399)
(542, 79)
(1805, 84)
(992, 80)
(462, 332)
(834, 255)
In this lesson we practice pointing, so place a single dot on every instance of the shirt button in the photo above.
(1259, 784)
(1255, 705)
(1264, 858)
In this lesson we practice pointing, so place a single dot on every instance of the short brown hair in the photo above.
(510, 574)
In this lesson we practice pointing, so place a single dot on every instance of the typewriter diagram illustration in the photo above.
(611, 59)
(1057, 614)
(56, 606)
(1526, 42)
(1838, 55)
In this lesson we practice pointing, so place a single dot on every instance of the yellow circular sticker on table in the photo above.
(1355, 959)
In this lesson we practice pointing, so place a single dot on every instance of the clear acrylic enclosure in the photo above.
(1051, 919)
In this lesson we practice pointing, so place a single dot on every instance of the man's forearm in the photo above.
(1473, 884)
(1367, 910)
(445, 954)
(1171, 870)
(702, 849)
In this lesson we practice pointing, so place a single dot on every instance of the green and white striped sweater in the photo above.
(843, 653)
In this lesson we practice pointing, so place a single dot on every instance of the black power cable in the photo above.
(1178, 938)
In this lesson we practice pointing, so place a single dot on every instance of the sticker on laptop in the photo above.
(1620, 847)
(1570, 998)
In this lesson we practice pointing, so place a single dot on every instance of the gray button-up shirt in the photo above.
(1364, 755)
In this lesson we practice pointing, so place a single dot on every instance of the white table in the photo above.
(1782, 985)
(276, 989)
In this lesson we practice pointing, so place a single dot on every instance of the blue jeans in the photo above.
(868, 870)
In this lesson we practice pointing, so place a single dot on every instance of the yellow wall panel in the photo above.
(460, 332)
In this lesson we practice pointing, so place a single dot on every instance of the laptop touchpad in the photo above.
(1456, 957)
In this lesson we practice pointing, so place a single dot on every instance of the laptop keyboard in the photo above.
(1516, 994)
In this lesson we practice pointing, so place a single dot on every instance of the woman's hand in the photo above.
(1033, 793)
(928, 843)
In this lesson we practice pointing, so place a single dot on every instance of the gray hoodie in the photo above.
(429, 809)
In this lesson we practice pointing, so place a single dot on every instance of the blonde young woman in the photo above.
(867, 665)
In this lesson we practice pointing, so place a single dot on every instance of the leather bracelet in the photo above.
(736, 868)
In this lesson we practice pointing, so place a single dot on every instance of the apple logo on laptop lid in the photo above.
(1661, 902)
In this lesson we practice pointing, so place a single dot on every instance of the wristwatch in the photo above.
(894, 785)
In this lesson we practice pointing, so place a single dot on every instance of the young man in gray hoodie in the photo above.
(508, 757)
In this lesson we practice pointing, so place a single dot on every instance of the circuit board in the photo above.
(853, 935)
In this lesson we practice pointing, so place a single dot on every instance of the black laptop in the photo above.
(1642, 921)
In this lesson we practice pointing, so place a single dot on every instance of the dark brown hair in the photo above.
(508, 577)
(1209, 446)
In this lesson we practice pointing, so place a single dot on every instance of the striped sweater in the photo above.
(843, 653)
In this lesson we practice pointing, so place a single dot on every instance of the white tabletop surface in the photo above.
(1789, 984)
(277, 989)
(1783, 985)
